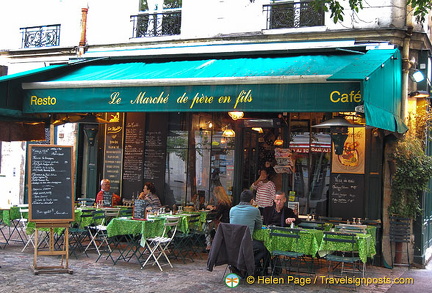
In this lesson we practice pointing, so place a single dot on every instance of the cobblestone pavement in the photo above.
(17, 275)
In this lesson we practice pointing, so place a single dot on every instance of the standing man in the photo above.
(245, 214)
(105, 189)
(279, 214)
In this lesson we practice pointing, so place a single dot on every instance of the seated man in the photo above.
(245, 214)
(105, 188)
(279, 214)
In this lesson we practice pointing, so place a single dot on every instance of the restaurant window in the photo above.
(157, 18)
(199, 157)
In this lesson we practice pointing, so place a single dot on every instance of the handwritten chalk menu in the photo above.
(139, 211)
(133, 159)
(113, 155)
(50, 184)
(347, 195)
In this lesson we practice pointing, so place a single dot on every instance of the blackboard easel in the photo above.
(51, 204)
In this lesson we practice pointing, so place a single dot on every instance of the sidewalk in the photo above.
(16, 275)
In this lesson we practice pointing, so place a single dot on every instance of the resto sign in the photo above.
(51, 184)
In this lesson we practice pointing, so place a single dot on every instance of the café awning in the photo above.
(300, 83)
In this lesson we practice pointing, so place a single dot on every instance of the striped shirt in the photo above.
(265, 193)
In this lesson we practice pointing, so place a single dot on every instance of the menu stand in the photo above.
(64, 265)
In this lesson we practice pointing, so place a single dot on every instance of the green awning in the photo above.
(380, 74)
(304, 83)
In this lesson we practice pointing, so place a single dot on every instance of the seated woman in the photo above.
(220, 213)
(149, 194)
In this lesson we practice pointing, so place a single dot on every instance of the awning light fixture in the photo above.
(279, 141)
(228, 132)
(236, 115)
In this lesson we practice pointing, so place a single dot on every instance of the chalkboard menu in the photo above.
(107, 198)
(347, 198)
(51, 184)
(114, 150)
(139, 211)
(133, 159)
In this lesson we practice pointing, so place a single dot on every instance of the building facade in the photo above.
(166, 74)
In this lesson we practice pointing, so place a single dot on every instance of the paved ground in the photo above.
(17, 275)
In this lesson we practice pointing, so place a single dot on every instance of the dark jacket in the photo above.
(232, 245)
(269, 213)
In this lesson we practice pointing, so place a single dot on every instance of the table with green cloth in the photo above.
(308, 243)
(365, 245)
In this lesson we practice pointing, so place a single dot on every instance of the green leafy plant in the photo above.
(413, 171)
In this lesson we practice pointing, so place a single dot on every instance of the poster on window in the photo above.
(285, 161)
(352, 159)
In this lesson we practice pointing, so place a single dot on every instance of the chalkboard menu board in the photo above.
(347, 195)
(107, 198)
(133, 159)
(139, 211)
(51, 184)
(114, 150)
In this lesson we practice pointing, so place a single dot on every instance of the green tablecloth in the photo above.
(365, 246)
(310, 243)
(148, 228)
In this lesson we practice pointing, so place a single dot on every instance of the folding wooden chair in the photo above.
(158, 246)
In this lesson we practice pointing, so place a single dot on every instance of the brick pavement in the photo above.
(16, 275)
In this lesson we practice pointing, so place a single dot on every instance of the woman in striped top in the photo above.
(265, 189)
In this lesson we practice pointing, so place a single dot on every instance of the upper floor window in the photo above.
(292, 14)
(40, 36)
(157, 18)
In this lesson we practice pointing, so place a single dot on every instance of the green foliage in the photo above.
(420, 7)
(413, 171)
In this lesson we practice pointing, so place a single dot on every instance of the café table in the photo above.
(310, 243)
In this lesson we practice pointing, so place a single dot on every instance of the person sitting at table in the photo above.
(149, 194)
(220, 213)
(105, 189)
(245, 214)
(279, 214)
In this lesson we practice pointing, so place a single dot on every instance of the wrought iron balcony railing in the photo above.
(290, 14)
(167, 23)
(40, 36)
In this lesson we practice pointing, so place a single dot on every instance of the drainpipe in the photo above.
(83, 38)
(406, 62)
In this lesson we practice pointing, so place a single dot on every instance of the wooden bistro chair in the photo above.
(343, 254)
(292, 261)
(158, 246)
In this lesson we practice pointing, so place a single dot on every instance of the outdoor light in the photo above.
(419, 94)
(279, 141)
(236, 115)
(338, 131)
(228, 132)
(258, 129)
(417, 76)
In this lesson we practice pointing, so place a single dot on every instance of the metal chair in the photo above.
(78, 234)
(400, 229)
(98, 233)
(345, 253)
(288, 259)
(158, 246)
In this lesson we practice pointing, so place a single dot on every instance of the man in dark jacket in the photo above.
(279, 214)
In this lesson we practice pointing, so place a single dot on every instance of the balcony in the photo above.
(167, 23)
(40, 36)
(292, 15)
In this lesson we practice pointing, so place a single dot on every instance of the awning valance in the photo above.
(289, 84)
